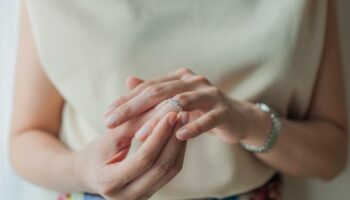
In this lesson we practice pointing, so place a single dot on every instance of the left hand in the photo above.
(209, 107)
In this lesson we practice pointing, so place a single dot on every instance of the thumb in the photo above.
(133, 81)
(117, 146)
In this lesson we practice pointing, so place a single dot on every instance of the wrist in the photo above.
(273, 133)
(258, 126)
(79, 174)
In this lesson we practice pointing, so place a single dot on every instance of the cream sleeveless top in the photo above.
(265, 51)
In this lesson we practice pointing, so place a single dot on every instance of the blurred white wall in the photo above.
(338, 189)
(8, 42)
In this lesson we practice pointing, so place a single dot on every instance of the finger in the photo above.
(179, 160)
(144, 101)
(133, 81)
(113, 147)
(117, 157)
(202, 124)
(126, 171)
(165, 164)
(175, 75)
(129, 128)
(172, 173)
(193, 100)
(145, 130)
(189, 101)
(147, 184)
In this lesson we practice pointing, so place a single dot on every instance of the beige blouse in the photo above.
(265, 51)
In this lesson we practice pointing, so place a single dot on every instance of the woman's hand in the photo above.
(103, 169)
(209, 108)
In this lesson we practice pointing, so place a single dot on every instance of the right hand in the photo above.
(103, 169)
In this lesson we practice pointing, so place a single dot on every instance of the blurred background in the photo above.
(11, 186)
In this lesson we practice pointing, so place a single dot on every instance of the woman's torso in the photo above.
(252, 50)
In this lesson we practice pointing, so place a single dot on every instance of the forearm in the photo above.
(310, 148)
(41, 158)
(315, 146)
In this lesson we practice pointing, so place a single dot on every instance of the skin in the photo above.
(314, 147)
(106, 171)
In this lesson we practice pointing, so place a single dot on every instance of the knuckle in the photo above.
(102, 185)
(145, 161)
(222, 113)
(184, 71)
(211, 119)
(195, 127)
(146, 84)
(121, 100)
(172, 173)
(154, 91)
(182, 98)
(150, 82)
(125, 111)
(200, 79)
(215, 91)
(104, 189)
(162, 169)
(224, 110)
(177, 168)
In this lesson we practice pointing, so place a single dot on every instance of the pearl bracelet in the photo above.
(273, 135)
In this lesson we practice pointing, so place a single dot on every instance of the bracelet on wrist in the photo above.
(273, 135)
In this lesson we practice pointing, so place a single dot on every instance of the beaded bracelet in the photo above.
(273, 135)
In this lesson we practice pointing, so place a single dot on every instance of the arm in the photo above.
(36, 152)
(101, 167)
(314, 147)
(317, 146)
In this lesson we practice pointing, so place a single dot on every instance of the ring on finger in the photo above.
(176, 104)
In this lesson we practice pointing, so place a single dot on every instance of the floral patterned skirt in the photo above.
(272, 190)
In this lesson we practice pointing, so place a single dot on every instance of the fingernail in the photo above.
(182, 134)
(123, 145)
(111, 119)
(141, 133)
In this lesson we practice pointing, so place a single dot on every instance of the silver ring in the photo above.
(176, 104)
